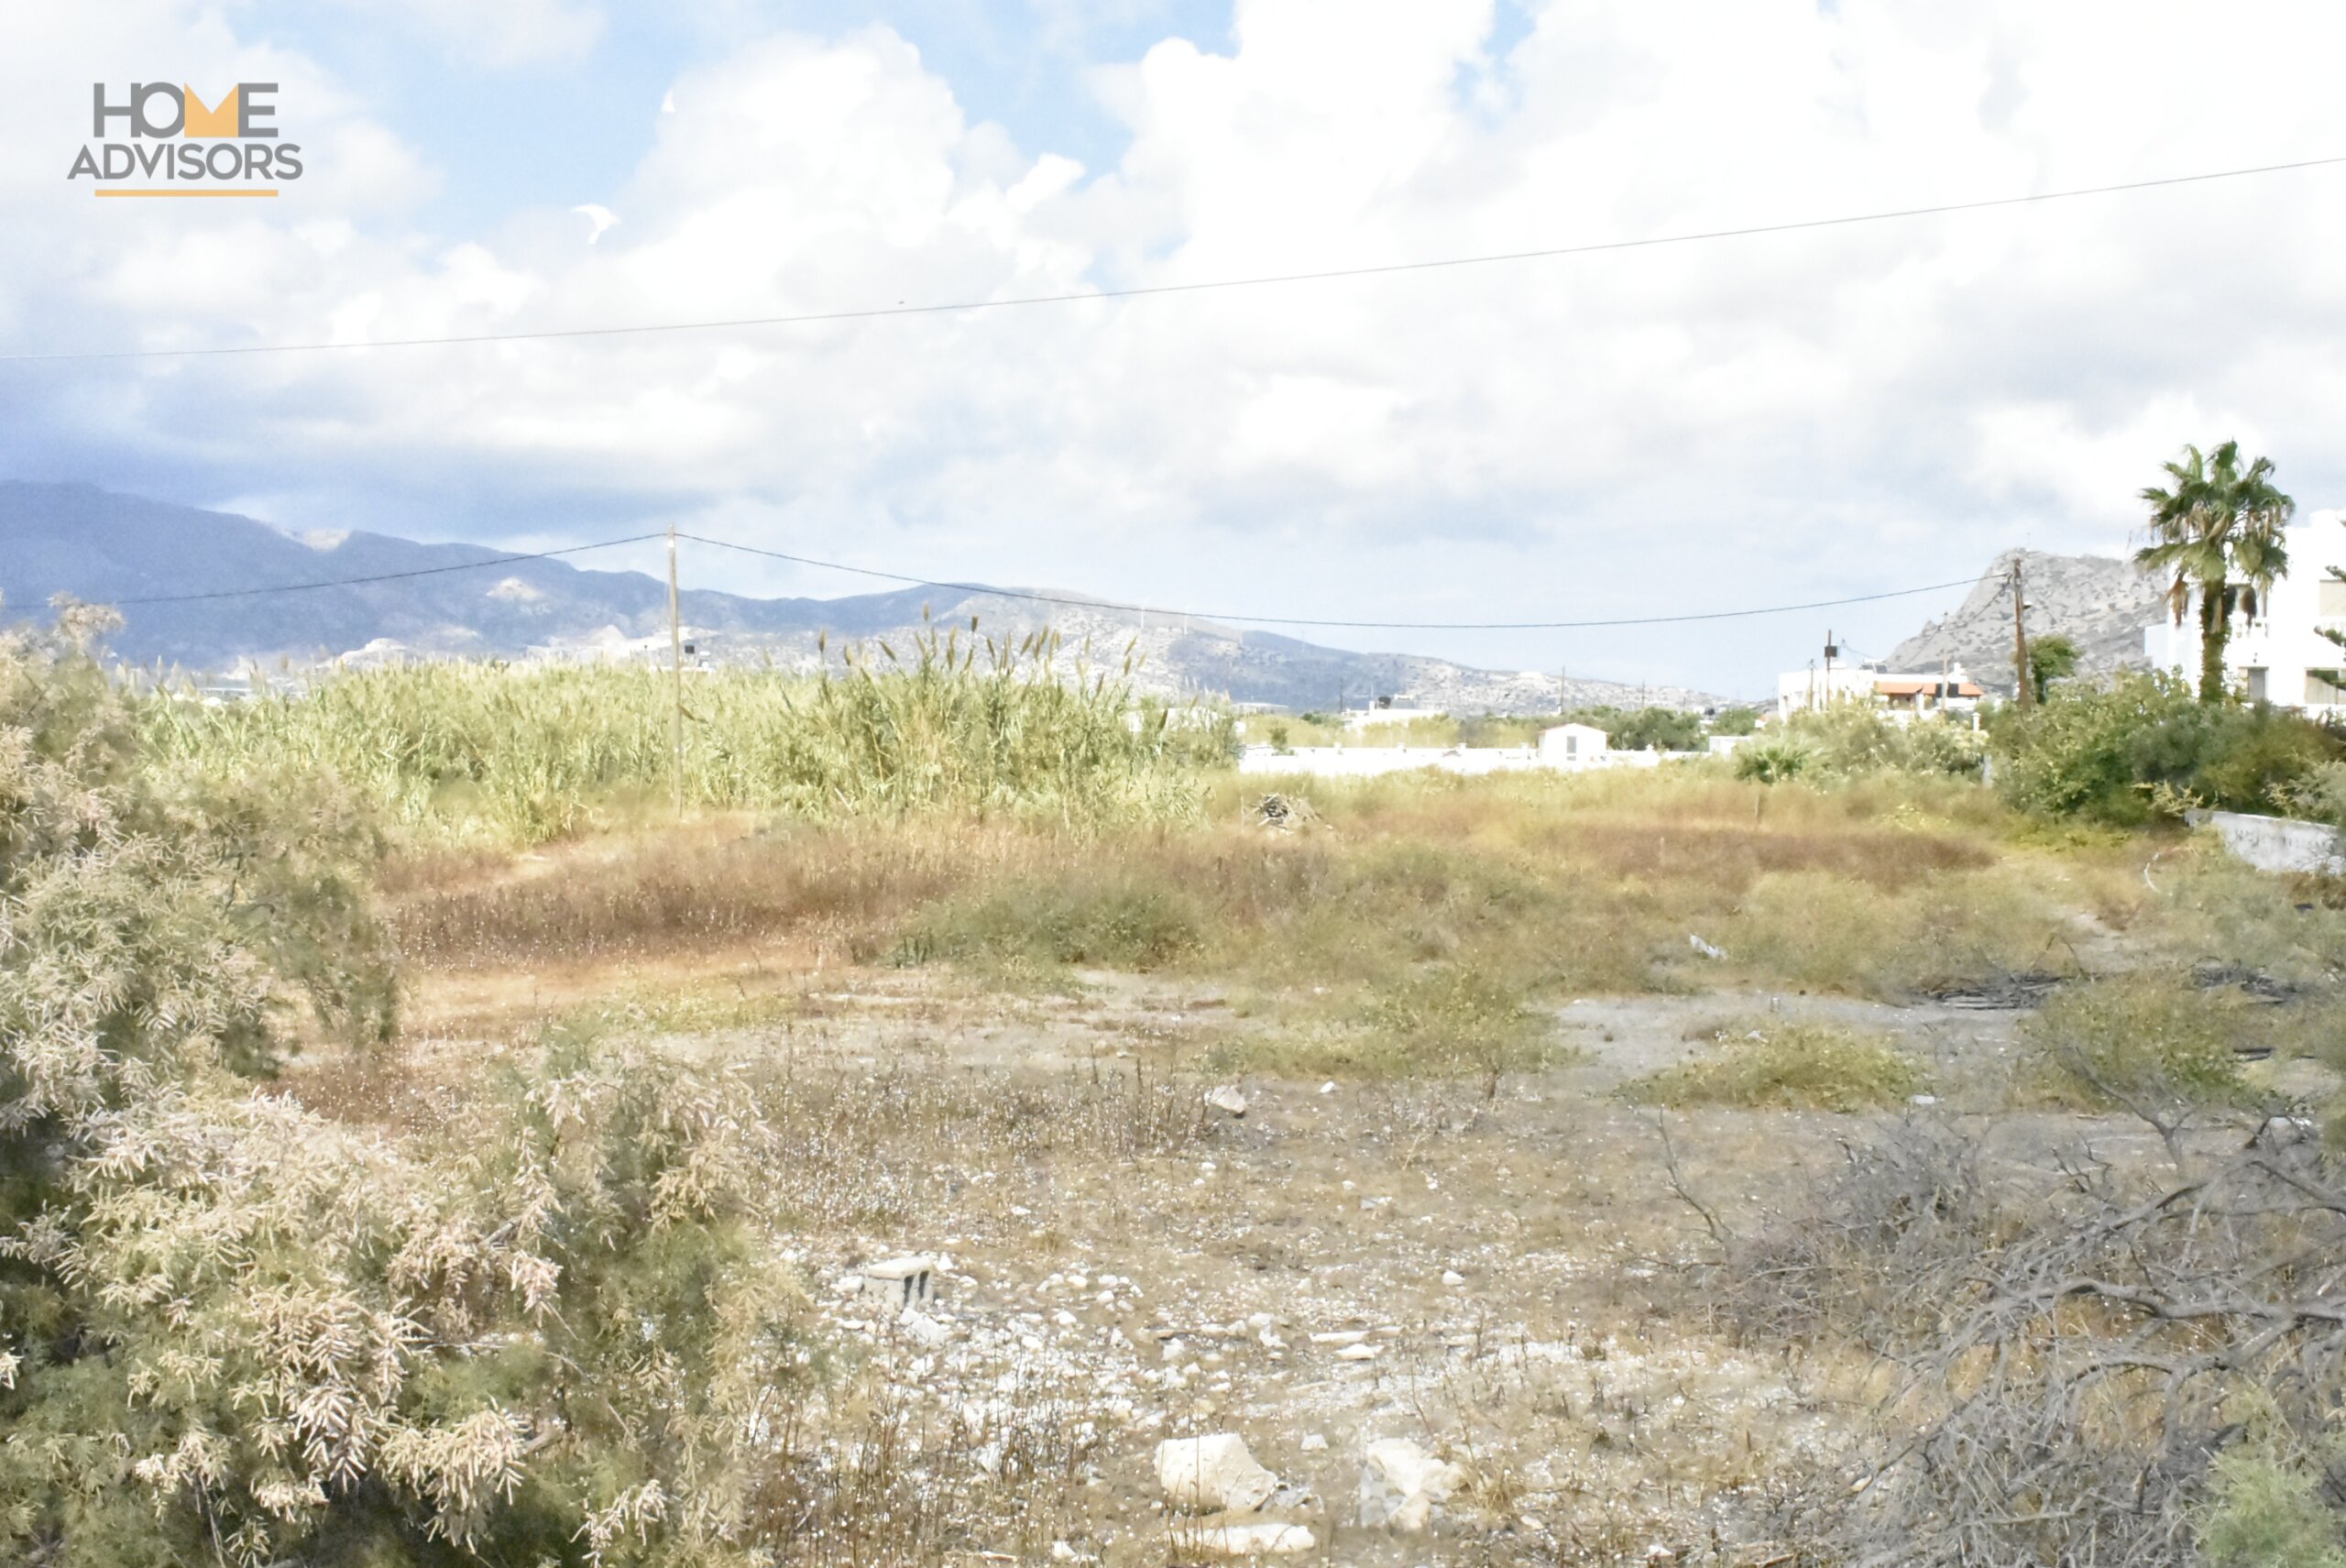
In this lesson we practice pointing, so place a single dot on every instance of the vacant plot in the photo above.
(1448, 1016)
(877, 1165)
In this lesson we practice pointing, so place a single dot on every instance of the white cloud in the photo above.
(1774, 417)
(498, 32)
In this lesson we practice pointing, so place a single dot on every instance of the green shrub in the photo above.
(2149, 1044)
(2263, 1514)
(1847, 740)
(2124, 751)
(1777, 760)
(1457, 1019)
(1775, 1066)
(234, 1332)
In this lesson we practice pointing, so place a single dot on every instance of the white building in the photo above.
(1872, 684)
(2280, 657)
(1564, 745)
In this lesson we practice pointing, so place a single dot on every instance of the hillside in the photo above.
(2099, 602)
(113, 549)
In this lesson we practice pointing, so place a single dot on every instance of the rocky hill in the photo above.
(2099, 602)
(116, 549)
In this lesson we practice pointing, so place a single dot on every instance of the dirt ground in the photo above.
(1514, 1283)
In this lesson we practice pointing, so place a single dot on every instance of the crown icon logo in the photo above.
(220, 121)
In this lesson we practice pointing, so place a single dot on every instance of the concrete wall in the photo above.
(1364, 761)
(2275, 843)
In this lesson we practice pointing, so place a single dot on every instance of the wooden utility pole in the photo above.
(2024, 693)
(677, 678)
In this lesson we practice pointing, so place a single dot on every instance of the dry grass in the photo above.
(1546, 886)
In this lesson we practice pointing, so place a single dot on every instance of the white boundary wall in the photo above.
(1364, 761)
(2275, 843)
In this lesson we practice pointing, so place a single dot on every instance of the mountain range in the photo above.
(179, 576)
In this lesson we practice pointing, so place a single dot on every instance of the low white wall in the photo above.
(1363, 761)
(2275, 843)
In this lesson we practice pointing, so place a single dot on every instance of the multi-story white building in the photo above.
(2281, 656)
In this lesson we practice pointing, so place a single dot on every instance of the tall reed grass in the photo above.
(525, 754)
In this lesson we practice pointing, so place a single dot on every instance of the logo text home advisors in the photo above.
(164, 131)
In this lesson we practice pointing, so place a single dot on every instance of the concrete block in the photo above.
(900, 1282)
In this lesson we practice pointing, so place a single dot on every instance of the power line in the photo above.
(1300, 620)
(384, 576)
(1145, 290)
(1042, 598)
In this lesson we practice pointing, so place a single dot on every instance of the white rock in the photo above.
(1315, 1443)
(1328, 1088)
(1251, 1540)
(1401, 1483)
(1342, 1336)
(1206, 1474)
(1357, 1353)
(922, 1329)
(1227, 1100)
(1452, 1277)
(1414, 1516)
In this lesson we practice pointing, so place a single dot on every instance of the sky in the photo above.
(1742, 423)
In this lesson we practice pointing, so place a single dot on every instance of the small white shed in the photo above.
(1569, 743)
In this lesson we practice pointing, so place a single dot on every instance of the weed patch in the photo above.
(1787, 1067)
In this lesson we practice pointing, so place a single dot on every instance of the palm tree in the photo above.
(2218, 531)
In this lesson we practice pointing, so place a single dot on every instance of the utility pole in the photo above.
(2022, 693)
(1830, 649)
(677, 678)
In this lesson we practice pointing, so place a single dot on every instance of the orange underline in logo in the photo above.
(103, 191)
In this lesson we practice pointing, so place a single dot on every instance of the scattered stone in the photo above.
(1452, 1277)
(1227, 1100)
(1211, 1474)
(1342, 1336)
(900, 1282)
(1706, 948)
(922, 1329)
(1357, 1353)
(1401, 1485)
(1315, 1443)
